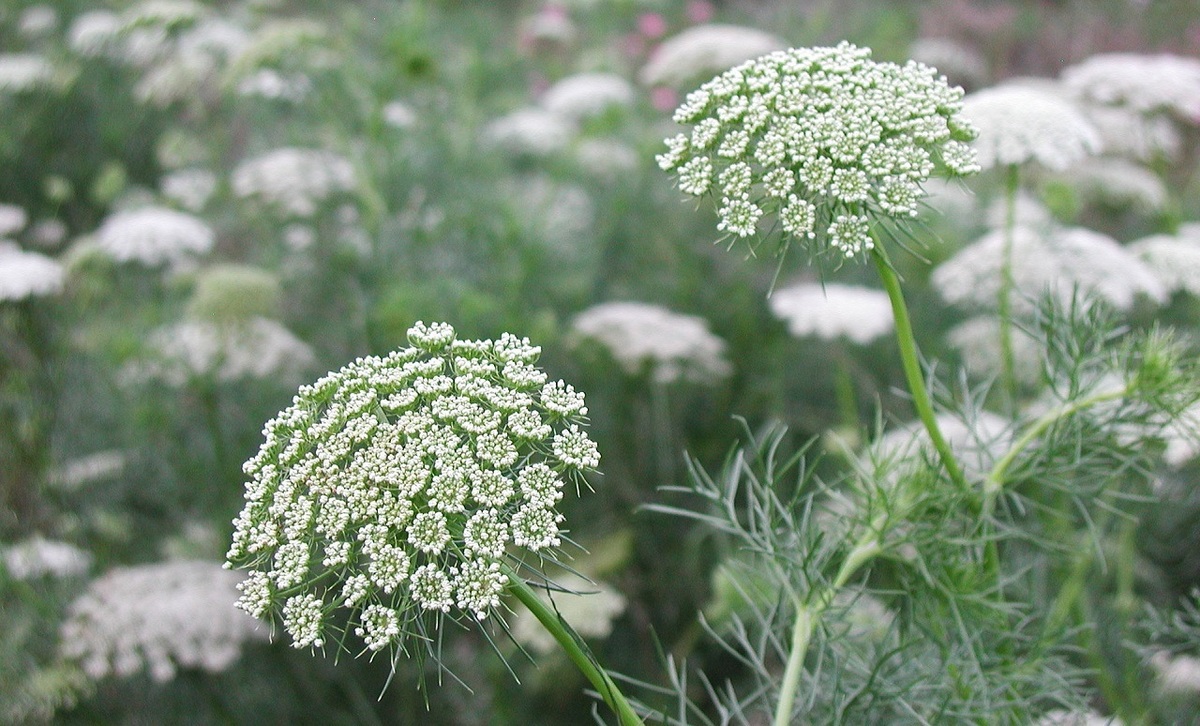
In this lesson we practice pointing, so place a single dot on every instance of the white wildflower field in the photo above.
(688, 362)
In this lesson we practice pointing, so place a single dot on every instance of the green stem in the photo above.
(1008, 378)
(996, 479)
(912, 365)
(572, 646)
(809, 614)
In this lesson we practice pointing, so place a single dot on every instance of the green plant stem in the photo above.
(912, 364)
(1008, 378)
(996, 479)
(808, 614)
(572, 646)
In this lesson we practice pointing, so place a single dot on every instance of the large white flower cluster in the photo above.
(24, 72)
(396, 487)
(227, 351)
(1020, 123)
(824, 139)
(645, 338)
(154, 236)
(293, 180)
(157, 617)
(41, 557)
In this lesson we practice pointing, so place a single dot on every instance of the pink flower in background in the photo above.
(663, 98)
(633, 45)
(700, 11)
(652, 25)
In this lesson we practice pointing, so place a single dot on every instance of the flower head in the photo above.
(154, 236)
(27, 274)
(397, 486)
(826, 139)
(833, 310)
(157, 617)
(703, 50)
(585, 95)
(1145, 83)
(1022, 123)
(1174, 260)
(644, 337)
(24, 72)
(295, 181)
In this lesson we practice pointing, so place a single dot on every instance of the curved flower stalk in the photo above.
(407, 489)
(831, 144)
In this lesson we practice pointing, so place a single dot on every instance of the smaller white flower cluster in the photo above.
(1174, 259)
(1148, 84)
(157, 617)
(39, 557)
(154, 236)
(824, 138)
(225, 351)
(590, 607)
(649, 338)
(833, 310)
(397, 486)
(293, 180)
(27, 274)
(24, 72)
(703, 50)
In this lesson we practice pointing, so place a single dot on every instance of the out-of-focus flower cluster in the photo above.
(395, 487)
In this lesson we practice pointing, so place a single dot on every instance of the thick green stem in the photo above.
(1008, 377)
(912, 364)
(572, 646)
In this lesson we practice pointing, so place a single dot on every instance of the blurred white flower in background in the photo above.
(1176, 674)
(1059, 717)
(37, 21)
(977, 440)
(977, 341)
(960, 64)
(27, 274)
(530, 131)
(399, 115)
(189, 188)
(608, 159)
(705, 50)
(1146, 83)
(1117, 182)
(1028, 211)
(589, 607)
(24, 72)
(585, 95)
(94, 33)
(294, 180)
(1056, 261)
(270, 84)
(1174, 259)
(158, 617)
(1020, 123)
(834, 310)
(649, 338)
(256, 348)
(41, 557)
(87, 469)
(154, 236)
(1128, 133)
(12, 219)
(168, 14)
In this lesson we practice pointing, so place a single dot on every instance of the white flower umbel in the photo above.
(94, 33)
(41, 557)
(292, 180)
(227, 351)
(24, 72)
(1120, 183)
(833, 310)
(1177, 674)
(585, 95)
(529, 131)
(1127, 133)
(397, 487)
(1174, 260)
(154, 236)
(704, 50)
(157, 617)
(12, 219)
(189, 188)
(1020, 123)
(977, 341)
(27, 274)
(977, 442)
(825, 139)
(1145, 83)
(645, 338)
(1056, 261)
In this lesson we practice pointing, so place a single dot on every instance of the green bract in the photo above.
(396, 487)
(824, 139)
